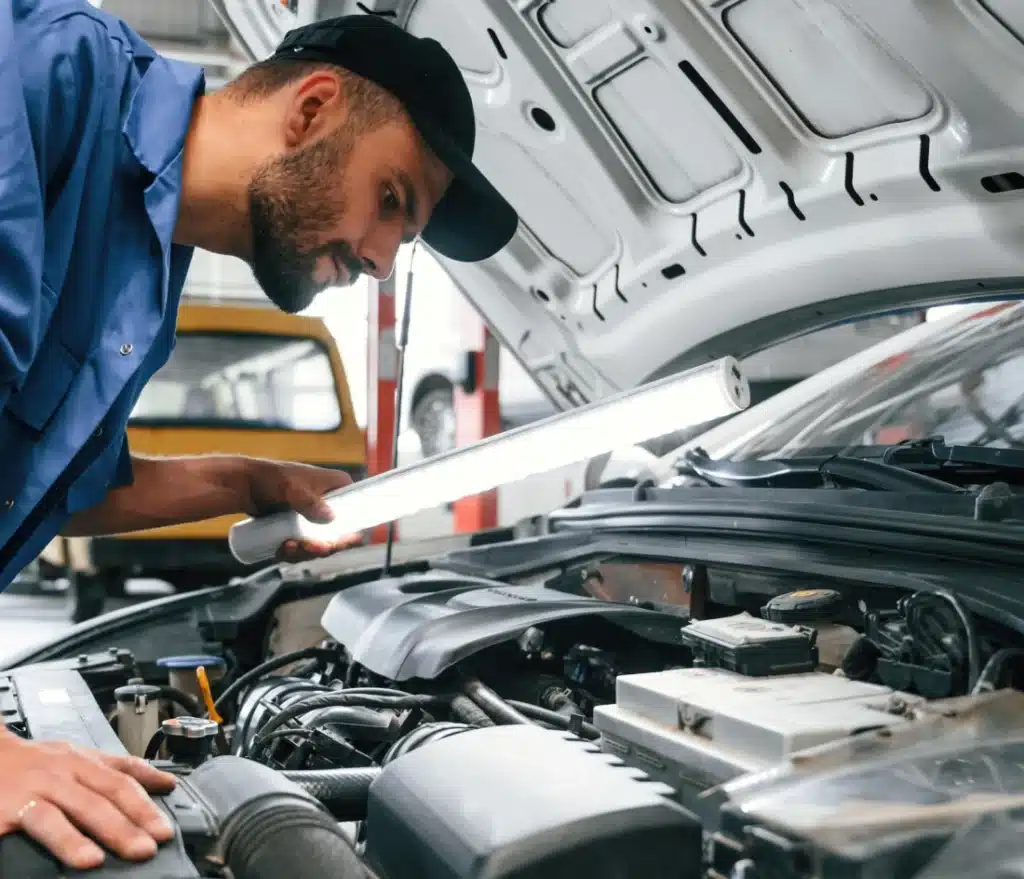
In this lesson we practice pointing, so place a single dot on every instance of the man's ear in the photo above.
(314, 108)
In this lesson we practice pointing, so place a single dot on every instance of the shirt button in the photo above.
(126, 349)
(98, 432)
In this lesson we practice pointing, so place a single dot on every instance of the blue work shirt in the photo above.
(92, 125)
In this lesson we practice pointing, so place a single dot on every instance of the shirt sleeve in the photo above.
(123, 473)
(41, 107)
(21, 219)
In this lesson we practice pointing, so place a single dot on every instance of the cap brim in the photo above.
(473, 221)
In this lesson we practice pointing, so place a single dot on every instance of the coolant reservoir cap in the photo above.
(804, 606)
(189, 728)
(131, 692)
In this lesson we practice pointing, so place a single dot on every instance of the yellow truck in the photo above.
(243, 379)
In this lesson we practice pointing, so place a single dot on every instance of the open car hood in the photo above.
(698, 178)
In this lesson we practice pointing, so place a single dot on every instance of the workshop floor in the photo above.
(32, 617)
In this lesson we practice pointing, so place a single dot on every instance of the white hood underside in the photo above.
(699, 178)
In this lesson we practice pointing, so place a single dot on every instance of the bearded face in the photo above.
(298, 205)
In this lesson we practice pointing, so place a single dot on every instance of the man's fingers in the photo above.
(151, 778)
(128, 795)
(102, 820)
(46, 824)
(306, 550)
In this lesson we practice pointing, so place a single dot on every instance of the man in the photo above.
(314, 167)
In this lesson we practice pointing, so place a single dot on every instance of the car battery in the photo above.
(694, 728)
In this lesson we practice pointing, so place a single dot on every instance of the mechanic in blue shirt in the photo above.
(314, 166)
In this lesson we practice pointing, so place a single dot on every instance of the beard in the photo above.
(289, 211)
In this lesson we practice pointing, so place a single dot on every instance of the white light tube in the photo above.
(679, 402)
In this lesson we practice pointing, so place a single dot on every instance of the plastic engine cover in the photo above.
(521, 802)
(418, 626)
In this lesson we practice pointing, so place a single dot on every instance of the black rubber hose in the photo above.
(336, 700)
(343, 792)
(492, 704)
(184, 700)
(554, 718)
(296, 843)
(466, 710)
(153, 748)
(989, 677)
(270, 827)
(254, 674)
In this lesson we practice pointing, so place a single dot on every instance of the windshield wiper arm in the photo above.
(879, 476)
(836, 470)
(933, 451)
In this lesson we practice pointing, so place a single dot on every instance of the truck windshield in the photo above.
(247, 381)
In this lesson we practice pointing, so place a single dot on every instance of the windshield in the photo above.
(965, 384)
(238, 380)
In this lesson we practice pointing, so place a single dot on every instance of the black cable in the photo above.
(270, 665)
(285, 733)
(153, 748)
(989, 676)
(492, 704)
(554, 718)
(371, 692)
(336, 700)
(190, 703)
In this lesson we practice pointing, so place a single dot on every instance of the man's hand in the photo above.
(61, 795)
(277, 485)
(172, 491)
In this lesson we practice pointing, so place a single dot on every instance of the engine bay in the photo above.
(614, 716)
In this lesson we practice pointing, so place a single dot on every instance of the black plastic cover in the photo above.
(419, 625)
(521, 802)
(748, 646)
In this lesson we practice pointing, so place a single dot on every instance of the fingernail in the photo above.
(142, 847)
(160, 828)
(88, 855)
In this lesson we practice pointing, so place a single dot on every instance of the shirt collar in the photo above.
(161, 109)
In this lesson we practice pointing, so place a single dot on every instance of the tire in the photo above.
(433, 419)
(89, 597)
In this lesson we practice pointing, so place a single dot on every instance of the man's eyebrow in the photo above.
(412, 214)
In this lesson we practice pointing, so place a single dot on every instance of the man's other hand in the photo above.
(65, 797)
(280, 485)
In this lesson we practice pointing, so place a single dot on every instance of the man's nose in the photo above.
(378, 253)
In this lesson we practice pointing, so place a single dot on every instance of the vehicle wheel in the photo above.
(433, 419)
(116, 585)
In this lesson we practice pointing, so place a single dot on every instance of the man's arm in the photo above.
(169, 491)
(173, 491)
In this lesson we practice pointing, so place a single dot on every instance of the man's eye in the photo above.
(390, 201)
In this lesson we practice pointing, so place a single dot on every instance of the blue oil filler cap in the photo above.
(180, 663)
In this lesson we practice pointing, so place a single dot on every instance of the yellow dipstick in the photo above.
(204, 686)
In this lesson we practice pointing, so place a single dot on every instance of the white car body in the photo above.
(698, 178)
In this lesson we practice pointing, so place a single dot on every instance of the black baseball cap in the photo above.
(472, 221)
